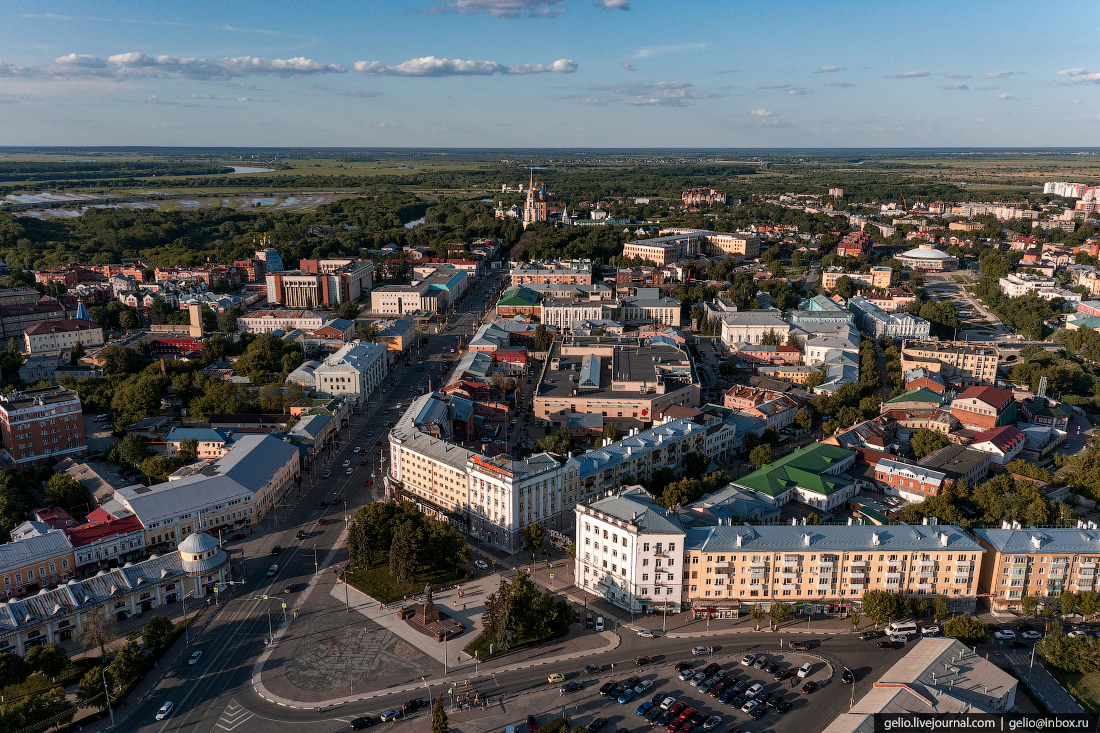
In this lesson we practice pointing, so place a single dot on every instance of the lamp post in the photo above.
(103, 673)
(186, 626)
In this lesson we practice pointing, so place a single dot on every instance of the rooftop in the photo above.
(66, 326)
(637, 506)
(954, 460)
(804, 468)
(830, 538)
(922, 394)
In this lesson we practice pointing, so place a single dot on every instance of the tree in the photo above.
(533, 536)
(854, 620)
(695, 464)
(761, 455)
(542, 338)
(126, 665)
(967, 629)
(13, 669)
(939, 607)
(64, 491)
(926, 441)
(118, 359)
(813, 519)
(794, 340)
(439, 716)
(757, 614)
(804, 419)
(816, 379)
(919, 606)
(780, 612)
(157, 633)
(362, 542)
(49, 659)
(127, 320)
(844, 287)
(98, 630)
(883, 607)
(403, 553)
(611, 432)
(188, 451)
(77, 353)
(91, 693)
(770, 338)
(348, 310)
(1029, 604)
(365, 331)
(560, 442)
(157, 469)
(133, 449)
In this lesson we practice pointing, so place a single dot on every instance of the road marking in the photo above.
(233, 716)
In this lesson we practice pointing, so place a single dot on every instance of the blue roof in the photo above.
(831, 538)
(590, 371)
(1019, 541)
(203, 435)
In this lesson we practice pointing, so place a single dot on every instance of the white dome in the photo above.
(198, 543)
(926, 253)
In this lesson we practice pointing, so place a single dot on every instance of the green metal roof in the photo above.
(518, 295)
(918, 395)
(802, 468)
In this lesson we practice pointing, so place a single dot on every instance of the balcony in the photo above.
(1014, 595)
(857, 573)
(758, 564)
(790, 563)
(857, 586)
(1084, 584)
(894, 563)
(924, 585)
(892, 584)
(893, 576)
(824, 583)
(756, 586)
(788, 583)
(961, 577)
(858, 564)
(757, 575)
(788, 575)
(926, 573)
(1017, 573)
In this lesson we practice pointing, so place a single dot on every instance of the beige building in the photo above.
(834, 564)
(619, 379)
(750, 327)
(659, 253)
(57, 335)
(266, 321)
(957, 361)
(1036, 562)
(562, 313)
(878, 278)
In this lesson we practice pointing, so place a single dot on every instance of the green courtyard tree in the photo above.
(926, 441)
(126, 665)
(404, 551)
(854, 620)
(813, 519)
(348, 310)
(157, 633)
(883, 607)
(542, 338)
(695, 464)
(967, 629)
(1068, 603)
(13, 669)
(64, 491)
(757, 614)
(49, 659)
(761, 455)
(939, 607)
(780, 612)
(533, 536)
(439, 716)
(612, 432)
(90, 692)
(804, 419)
(188, 451)
(1029, 604)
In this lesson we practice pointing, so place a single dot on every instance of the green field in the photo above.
(380, 585)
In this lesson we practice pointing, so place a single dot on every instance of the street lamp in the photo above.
(186, 626)
(103, 673)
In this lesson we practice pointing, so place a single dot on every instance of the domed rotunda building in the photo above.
(928, 258)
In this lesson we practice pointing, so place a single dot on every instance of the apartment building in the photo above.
(623, 380)
(677, 243)
(910, 482)
(629, 551)
(321, 283)
(38, 556)
(648, 306)
(657, 252)
(355, 371)
(350, 278)
(533, 272)
(17, 317)
(56, 335)
(733, 565)
(877, 323)
(984, 408)
(775, 408)
(958, 464)
(1003, 444)
(505, 496)
(1036, 562)
(854, 244)
(891, 300)
(266, 321)
(750, 327)
(705, 196)
(42, 423)
(961, 362)
(878, 278)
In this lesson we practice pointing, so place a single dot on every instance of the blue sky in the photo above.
(550, 73)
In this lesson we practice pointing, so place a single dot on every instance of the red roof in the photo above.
(1002, 438)
(86, 534)
(67, 325)
(991, 396)
(98, 516)
(55, 516)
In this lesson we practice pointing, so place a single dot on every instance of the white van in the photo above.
(902, 627)
(599, 623)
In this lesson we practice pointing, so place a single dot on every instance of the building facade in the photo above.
(57, 335)
(266, 321)
(963, 362)
(42, 423)
(355, 371)
(875, 322)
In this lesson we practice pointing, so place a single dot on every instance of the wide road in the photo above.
(234, 640)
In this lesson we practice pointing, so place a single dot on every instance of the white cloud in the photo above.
(762, 113)
(957, 76)
(1001, 74)
(502, 8)
(841, 84)
(612, 4)
(1004, 96)
(432, 66)
(908, 75)
(1080, 76)
(656, 94)
(628, 66)
(644, 53)
(828, 69)
(131, 65)
(959, 86)
(798, 92)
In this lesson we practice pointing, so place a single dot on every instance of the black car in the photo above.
(888, 645)
(576, 617)
(1017, 644)
(631, 681)
(699, 718)
(764, 698)
(782, 706)
(774, 699)
(758, 712)
(301, 534)
(781, 674)
(654, 713)
(593, 668)
(711, 668)
(322, 505)
(570, 687)
(848, 678)
(868, 635)
(412, 705)
(360, 723)
(682, 666)
(276, 550)
(665, 717)
(607, 688)
(658, 696)
(596, 724)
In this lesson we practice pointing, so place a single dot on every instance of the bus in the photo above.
(902, 627)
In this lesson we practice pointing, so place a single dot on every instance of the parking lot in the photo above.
(713, 691)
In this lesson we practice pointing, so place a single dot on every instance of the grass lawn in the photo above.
(481, 646)
(380, 585)
(39, 683)
(1085, 688)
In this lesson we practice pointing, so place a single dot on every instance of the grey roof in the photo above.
(36, 546)
(599, 460)
(340, 324)
(310, 426)
(755, 318)
(405, 433)
(732, 503)
(1071, 541)
(945, 667)
(831, 538)
(198, 542)
(638, 506)
(253, 461)
(173, 498)
(954, 460)
(203, 435)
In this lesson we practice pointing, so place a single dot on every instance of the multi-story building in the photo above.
(910, 482)
(266, 321)
(820, 309)
(891, 300)
(928, 258)
(433, 293)
(211, 443)
(354, 371)
(648, 306)
(38, 556)
(630, 551)
(252, 270)
(399, 336)
(17, 317)
(854, 244)
(1003, 444)
(707, 196)
(623, 380)
(195, 570)
(775, 408)
(1036, 562)
(505, 496)
(874, 321)
(528, 273)
(271, 259)
(57, 335)
(958, 464)
(830, 564)
(42, 423)
(962, 362)
(750, 327)
(321, 283)
(657, 252)
(1016, 284)
(984, 408)
(518, 300)
(878, 278)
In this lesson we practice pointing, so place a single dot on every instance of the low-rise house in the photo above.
(959, 464)
(52, 336)
(211, 443)
(813, 475)
(984, 408)
(1003, 444)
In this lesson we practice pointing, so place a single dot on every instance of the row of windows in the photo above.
(30, 573)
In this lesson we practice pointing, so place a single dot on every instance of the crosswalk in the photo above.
(233, 716)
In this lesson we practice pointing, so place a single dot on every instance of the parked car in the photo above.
(705, 685)
(889, 645)
(781, 674)
(570, 687)
(753, 691)
(748, 659)
(607, 688)
(686, 674)
(532, 723)
(782, 706)
(599, 623)
(644, 708)
(165, 710)
(805, 670)
(697, 679)
(868, 635)
(932, 630)
(360, 723)
(481, 565)
(749, 706)
(1031, 634)
(702, 650)
(667, 703)
(1009, 634)
(626, 696)
(598, 722)
(808, 687)
(760, 662)
(681, 666)
(642, 687)
(711, 668)
(643, 660)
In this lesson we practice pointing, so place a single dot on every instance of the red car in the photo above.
(532, 724)
(674, 726)
(320, 521)
(687, 714)
(809, 687)
(677, 707)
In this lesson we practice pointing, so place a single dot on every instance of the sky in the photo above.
(550, 73)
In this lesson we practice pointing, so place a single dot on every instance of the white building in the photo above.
(749, 327)
(562, 313)
(354, 371)
(56, 335)
(876, 322)
(506, 496)
(630, 551)
(266, 321)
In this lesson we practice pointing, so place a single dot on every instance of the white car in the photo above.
(754, 690)
(1006, 634)
(347, 463)
(930, 630)
(272, 570)
(667, 703)
(646, 633)
(902, 638)
(712, 722)
(804, 670)
(165, 711)
(481, 565)
(643, 686)
(356, 449)
(747, 660)
(697, 679)
(749, 706)
(702, 650)
(1031, 635)
(195, 657)
(347, 472)
(1077, 635)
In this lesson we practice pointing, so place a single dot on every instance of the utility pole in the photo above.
(103, 673)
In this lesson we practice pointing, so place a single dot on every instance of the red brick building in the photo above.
(40, 424)
(984, 408)
(854, 244)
